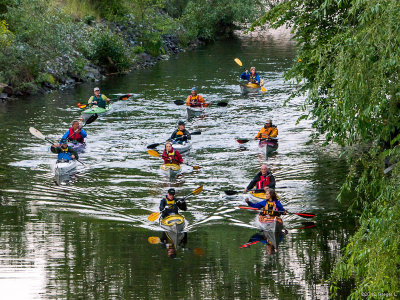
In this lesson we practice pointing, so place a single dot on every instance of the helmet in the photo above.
(194, 89)
(181, 123)
(171, 191)
(63, 141)
(268, 121)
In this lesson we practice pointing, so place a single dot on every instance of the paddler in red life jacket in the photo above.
(171, 156)
(75, 133)
(195, 100)
(64, 151)
(263, 179)
(270, 206)
(267, 131)
(251, 77)
(98, 99)
(169, 205)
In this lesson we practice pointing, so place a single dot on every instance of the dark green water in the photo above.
(87, 239)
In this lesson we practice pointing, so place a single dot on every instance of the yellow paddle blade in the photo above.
(196, 167)
(237, 60)
(198, 190)
(263, 89)
(154, 216)
(198, 251)
(154, 240)
(153, 153)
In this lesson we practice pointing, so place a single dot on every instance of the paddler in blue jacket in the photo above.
(169, 205)
(251, 77)
(270, 206)
(75, 133)
(64, 152)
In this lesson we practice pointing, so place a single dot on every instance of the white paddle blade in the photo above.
(36, 133)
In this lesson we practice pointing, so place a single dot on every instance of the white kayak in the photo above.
(182, 147)
(196, 111)
(62, 167)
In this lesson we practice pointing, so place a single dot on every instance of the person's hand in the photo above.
(108, 100)
(255, 138)
(55, 145)
(247, 200)
(73, 156)
(245, 191)
(285, 212)
(94, 102)
(247, 71)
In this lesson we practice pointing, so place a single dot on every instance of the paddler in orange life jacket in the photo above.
(251, 77)
(171, 156)
(169, 205)
(98, 99)
(75, 133)
(195, 100)
(181, 134)
(270, 206)
(263, 179)
(267, 131)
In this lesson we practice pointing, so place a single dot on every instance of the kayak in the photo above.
(78, 147)
(174, 226)
(63, 166)
(268, 146)
(95, 110)
(250, 88)
(182, 147)
(171, 169)
(272, 228)
(196, 111)
(256, 197)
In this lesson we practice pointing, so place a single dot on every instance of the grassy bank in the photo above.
(47, 43)
(348, 63)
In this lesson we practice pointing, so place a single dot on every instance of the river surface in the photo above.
(88, 238)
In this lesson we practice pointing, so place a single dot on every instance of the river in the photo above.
(88, 238)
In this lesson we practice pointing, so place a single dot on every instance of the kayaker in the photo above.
(263, 179)
(195, 100)
(181, 134)
(267, 131)
(98, 99)
(64, 151)
(171, 156)
(75, 133)
(169, 205)
(251, 77)
(270, 206)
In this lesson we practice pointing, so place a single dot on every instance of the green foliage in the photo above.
(349, 63)
(138, 50)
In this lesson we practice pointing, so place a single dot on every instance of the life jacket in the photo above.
(264, 182)
(253, 78)
(64, 154)
(171, 207)
(179, 132)
(197, 103)
(172, 154)
(267, 131)
(100, 102)
(75, 136)
(170, 203)
(270, 209)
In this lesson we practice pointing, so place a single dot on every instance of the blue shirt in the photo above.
(262, 204)
(247, 77)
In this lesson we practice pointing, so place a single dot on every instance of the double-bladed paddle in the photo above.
(220, 103)
(155, 145)
(122, 97)
(91, 119)
(155, 215)
(154, 153)
(41, 136)
(231, 192)
(245, 140)
(304, 215)
(240, 64)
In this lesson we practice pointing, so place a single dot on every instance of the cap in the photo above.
(63, 141)
(96, 89)
(171, 191)
(194, 89)
(181, 123)
(268, 121)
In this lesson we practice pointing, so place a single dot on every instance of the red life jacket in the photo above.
(75, 136)
(174, 157)
(264, 182)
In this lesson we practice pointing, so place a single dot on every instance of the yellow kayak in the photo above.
(171, 169)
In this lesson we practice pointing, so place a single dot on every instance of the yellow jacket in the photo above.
(265, 133)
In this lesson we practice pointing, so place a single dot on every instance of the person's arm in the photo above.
(259, 133)
(162, 204)
(66, 135)
(165, 157)
(173, 135)
(271, 182)
(181, 204)
(83, 133)
(55, 149)
(188, 135)
(274, 132)
(91, 100)
(253, 182)
(258, 205)
(258, 79)
(105, 98)
(188, 101)
(244, 75)
(279, 206)
(179, 156)
(73, 152)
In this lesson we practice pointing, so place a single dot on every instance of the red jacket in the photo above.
(175, 155)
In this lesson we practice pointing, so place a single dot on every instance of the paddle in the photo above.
(249, 244)
(41, 136)
(155, 145)
(154, 153)
(122, 97)
(91, 119)
(245, 140)
(238, 61)
(231, 192)
(221, 103)
(154, 216)
(304, 215)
